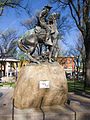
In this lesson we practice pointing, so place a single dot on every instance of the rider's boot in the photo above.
(49, 41)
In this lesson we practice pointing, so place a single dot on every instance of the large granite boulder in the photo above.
(29, 91)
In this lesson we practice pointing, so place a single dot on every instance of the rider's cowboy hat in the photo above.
(48, 6)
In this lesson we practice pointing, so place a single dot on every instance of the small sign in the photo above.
(44, 84)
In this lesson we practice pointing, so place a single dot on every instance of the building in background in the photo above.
(68, 63)
(8, 68)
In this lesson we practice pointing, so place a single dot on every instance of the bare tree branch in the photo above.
(8, 43)
(13, 4)
(78, 25)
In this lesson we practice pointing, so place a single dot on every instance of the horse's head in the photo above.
(53, 17)
(53, 24)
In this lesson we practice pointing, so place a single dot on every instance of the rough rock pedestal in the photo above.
(28, 94)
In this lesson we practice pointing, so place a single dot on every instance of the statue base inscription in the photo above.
(40, 81)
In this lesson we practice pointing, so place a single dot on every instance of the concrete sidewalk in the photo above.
(79, 109)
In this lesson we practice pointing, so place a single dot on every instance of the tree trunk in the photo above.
(87, 65)
(87, 50)
(78, 68)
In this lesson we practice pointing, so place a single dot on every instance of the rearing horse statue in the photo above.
(35, 38)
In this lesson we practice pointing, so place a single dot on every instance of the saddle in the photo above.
(40, 33)
(38, 30)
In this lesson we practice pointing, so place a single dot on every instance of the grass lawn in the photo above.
(74, 85)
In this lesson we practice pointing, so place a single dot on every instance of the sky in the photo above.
(11, 19)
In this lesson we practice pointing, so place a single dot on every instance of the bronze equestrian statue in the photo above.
(45, 35)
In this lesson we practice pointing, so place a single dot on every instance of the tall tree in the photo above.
(80, 12)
